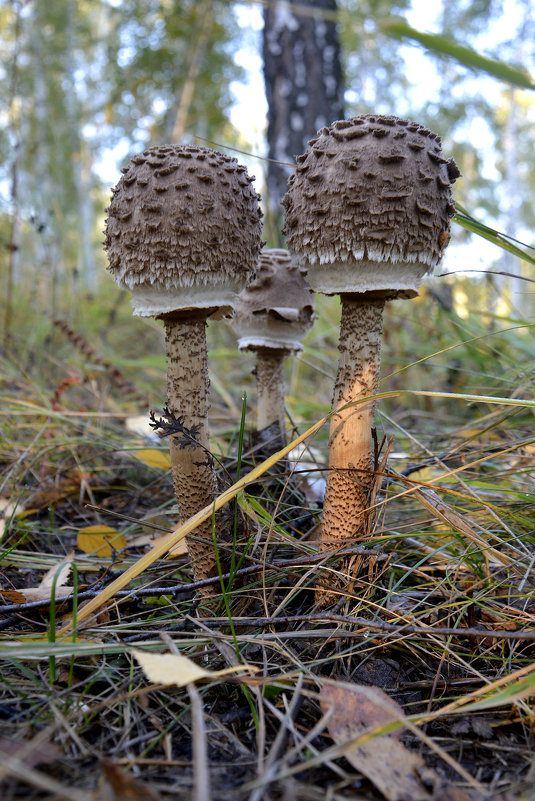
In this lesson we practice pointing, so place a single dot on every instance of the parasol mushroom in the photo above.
(183, 235)
(368, 214)
(272, 316)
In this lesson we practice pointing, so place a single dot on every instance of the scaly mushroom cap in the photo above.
(369, 205)
(183, 229)
(276, 310)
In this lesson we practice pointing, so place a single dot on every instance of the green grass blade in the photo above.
(474, 398)
(179, 532)
(463, 218)
(397, 28)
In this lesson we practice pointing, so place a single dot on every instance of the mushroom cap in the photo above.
(183, 229)
(369, 205)
(275, 310)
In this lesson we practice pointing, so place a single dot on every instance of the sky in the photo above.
(248, 114)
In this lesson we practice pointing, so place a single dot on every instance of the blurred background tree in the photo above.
(86, 84)
(304, 88)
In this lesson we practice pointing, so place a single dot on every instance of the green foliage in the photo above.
(79, 80)
(153, 52)
(466, 56)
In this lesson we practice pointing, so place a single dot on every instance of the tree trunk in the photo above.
(303, 80)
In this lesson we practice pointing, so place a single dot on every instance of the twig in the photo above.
(369, 626)
(201, 768)
(273, 759)
(195, 585)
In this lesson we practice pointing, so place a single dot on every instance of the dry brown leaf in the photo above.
(115, 784)
(44, 754)
(65, 488)
(14, 596)
(177, 669)
(397, 772)
(43, 592)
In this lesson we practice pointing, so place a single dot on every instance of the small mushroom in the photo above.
(272, 316)
(183, 235)
(368, 214)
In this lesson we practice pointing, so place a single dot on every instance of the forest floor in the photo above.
(418, 683)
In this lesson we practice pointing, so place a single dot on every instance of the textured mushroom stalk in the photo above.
(187, 397)
(270, 388)
(350, 474)
(368, 214)
(183, 234)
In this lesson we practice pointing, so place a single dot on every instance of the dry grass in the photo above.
(441, 615)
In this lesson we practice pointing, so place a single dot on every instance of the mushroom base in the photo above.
(365, 276)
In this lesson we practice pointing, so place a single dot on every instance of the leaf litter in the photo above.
(448, 579)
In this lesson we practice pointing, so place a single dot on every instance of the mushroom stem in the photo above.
(270, 389)
(350, 476)
(187, 397)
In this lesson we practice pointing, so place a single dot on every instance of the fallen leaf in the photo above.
(115, 784)
(60, 573)
(154, 458)
(44, 754)
(100, 540)
(29, 594)
(178, 550)
(65, 488)
(43, 592)
(177, 669)
(398, 773)
(15, 596)
(140, 425)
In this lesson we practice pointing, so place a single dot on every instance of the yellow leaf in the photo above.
(154, 458)
(100, 540)
(177, 669)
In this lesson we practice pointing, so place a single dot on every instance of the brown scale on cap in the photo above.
(370, 189)
(183, 234)
(272, 316)
(276, 309)
(183, 217)
(368, 214)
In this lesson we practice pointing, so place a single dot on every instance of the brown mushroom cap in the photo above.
(369, 205)
(276, 310)
(183, 229)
